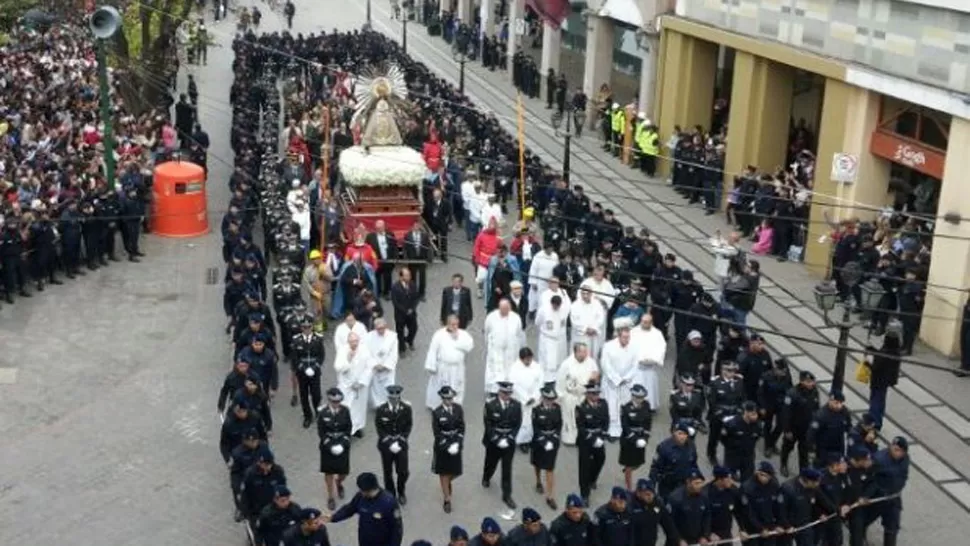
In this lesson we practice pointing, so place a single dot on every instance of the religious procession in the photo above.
(360, 171)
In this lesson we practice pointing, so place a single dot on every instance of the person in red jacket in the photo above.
(432, 152)
(486, 245)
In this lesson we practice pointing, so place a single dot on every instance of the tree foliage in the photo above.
(12, 10)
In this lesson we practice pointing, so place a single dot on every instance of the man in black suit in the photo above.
(457, 300)
(385, 248)
(519, 303)
(404, 296)
(417, 247)
(503, 417)
(437, 212)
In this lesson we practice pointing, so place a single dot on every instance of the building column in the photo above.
(465, 13)
(600, 34)
(849, 116)
(516, 12)
(551, 53)
(648, 76)
(686, 84)
(950, 265)
(486, 12)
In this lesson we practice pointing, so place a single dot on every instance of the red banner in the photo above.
(552, 12)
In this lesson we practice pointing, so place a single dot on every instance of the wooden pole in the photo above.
(324, 188)
(521, 126)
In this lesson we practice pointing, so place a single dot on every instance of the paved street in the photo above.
(109, 383)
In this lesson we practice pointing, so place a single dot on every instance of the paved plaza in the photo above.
(109, 383)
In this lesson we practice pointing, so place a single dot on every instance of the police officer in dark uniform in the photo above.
(725, 395)
(490, 535)
(573, 527)
(263, 362)
(307, 357)
(132, 210)
(773, 387)
(238, 422)
(12, 249)
(457, 536)
(687, 403)
(740, 435)
(379, 516)
(613, 522)
(647, 514)
(829, 427)
(675, 458)
(69, 225)
(690, 510)
(759, 505)
(448, 428)
(891, 472)
(310, 530)
(394, 420)
(797, 412)
(276, 518)
(636, 421)
(799, 497)
(503, 417)
(108, 209)
(241, 458)
(546, 440)
(91, 229)
(592, 424)
(334, 428)
(724, 498)
(532, 532)
(259, 485)
(860, 486)
(831, 486)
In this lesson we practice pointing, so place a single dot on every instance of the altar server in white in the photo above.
(619, 364)
(577, 370)
(355, 368)
(344, 329)
(526, 379)
(554, 288)
(553, 337)
(588, 319)
(446, 362)
(382, 344)
(651, 349)
(503, 339)
(601, 287)
(540, 272)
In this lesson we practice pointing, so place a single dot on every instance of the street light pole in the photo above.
(460, 54)
(404, 34)
(368, 15)
(842, 353)
(557, 120)
(104, 24)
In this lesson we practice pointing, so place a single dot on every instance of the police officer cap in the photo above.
(394, 390)
(838, 396)
(592, 387)
(458, 533)
(688, 379)
(682, 426)
(309, 513)
(255, 317)
(618, 493)
(749, 406)
(766, 467)
(238, 254)
(262, 337)
(265, 455)
(367, 481)
(575, 501)
(549, 392)
(251, 434)
(490, 526)
(334, 394)
(695, 474)
(721, 472)
(755, 337)
(240, 402)
(446, 392)
(806, 375)
(901, 443)
(529, 515)
(644, 484)
(811, 474)
(868, 420)
(420, 543)
(834, 458)
(307, 320)
(505, 386)
(859, 451)
(283, 491)
(638, 391)
(729, 365)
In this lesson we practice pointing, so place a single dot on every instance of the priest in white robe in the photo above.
(619, 364)
(553, 336)
(503, 339)
(588, 320)
(382, 344)
(651, 348)
(601, 287)
(540, 272)
(574, 373)
(355, 367)
(446, 362)
(526, 378)
(554, 288)
(345, 328)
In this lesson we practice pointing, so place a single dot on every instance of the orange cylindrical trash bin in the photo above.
(179, 205)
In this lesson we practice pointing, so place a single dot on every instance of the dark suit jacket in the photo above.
(465, 313)
(371, 240)
(421, 253)
(439, 218)
(404, 299)
(522, 309)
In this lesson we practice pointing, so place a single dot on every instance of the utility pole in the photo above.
(404, 31)
(104, 23)
(369, 23)
(460, 54)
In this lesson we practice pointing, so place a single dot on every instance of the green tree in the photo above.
(12, 10)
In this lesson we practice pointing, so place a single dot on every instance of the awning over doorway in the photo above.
(625, 11)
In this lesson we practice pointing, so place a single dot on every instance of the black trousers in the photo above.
(420, 273)
(92, 248)
(402, 322)
(309, 392)
(714, 437)
(108, 241)
(14, 274)
(384, 281)
(391, 462)
(740, 462)
(494, 455)
(130, 230)
(71, 255)
(441, 237)
(830, 533)
(772, 422)
(591, 462)
(788, 444)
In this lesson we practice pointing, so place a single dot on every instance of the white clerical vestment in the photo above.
(651, 348)
(588, 316)
(384, 350)
(503, 339)
(446, 363)
(546, 299)
(619, 365)
(571, 386)
(540, 272)
(354, 373)
(603, 291)
(553, 339)
(527, 389)
(343, 332)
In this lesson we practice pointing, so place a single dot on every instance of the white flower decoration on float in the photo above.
(382, 166)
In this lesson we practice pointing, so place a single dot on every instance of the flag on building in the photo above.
(552, 12)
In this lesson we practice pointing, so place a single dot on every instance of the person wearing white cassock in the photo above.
(574, 373)
(503, 339)
(553, 341)
(540, 272)
(344, 329)
(588, 319)
(355, 368)
(601, 287)
(619, 363)
(526, 379)
(554, 288)
(446, 361)
(651, 348)
(382, 344)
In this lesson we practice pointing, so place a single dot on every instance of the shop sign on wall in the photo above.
(908, 153)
